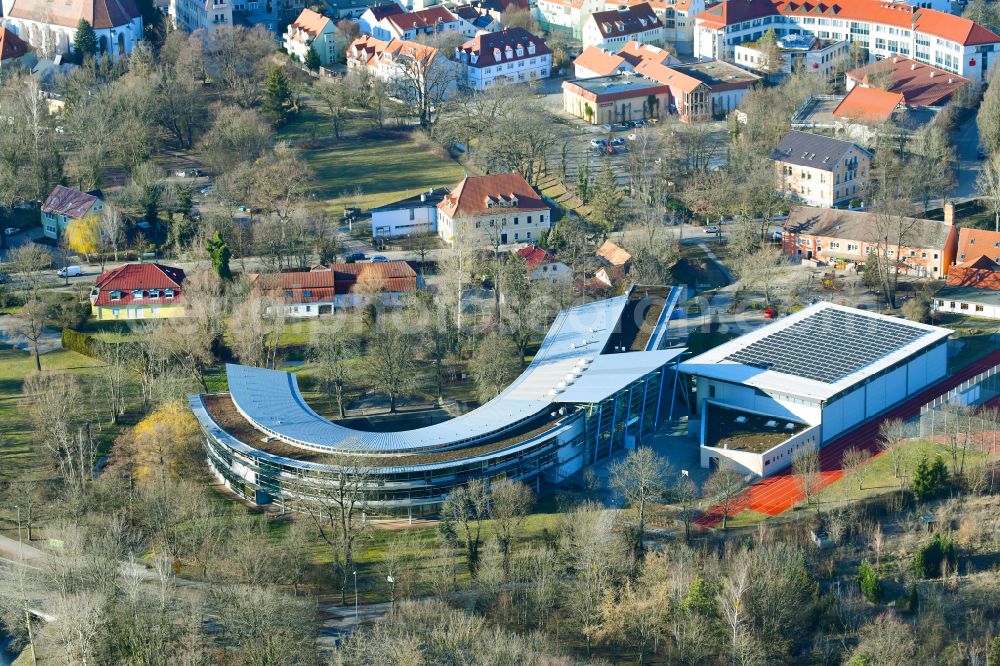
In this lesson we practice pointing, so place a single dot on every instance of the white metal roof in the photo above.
(560, 372)
(716, 363)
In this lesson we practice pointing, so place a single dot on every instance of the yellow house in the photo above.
(138, 291)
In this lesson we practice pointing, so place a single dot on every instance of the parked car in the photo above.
(640, 123)
(770, 313)
(713, 229)
(776, 236)
(10, 231)
(181, 173)
(617, 141)
(70, 271)
(379, 259)
(598, 143)
(355, 257)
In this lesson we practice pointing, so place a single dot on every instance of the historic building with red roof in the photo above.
(950, 42)
(510, 56)
(138, 291)
(498, 208)
(612, 28)
(973, 285)
(50, 27)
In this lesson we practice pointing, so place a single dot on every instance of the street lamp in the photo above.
(355, 595)
(20, 544)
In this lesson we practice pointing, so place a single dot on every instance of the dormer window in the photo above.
(137, 294)
(154, 293)
(307, 293)
(168, 293)
(520, 52)
(497, 55)
(509, 53)
(531, 48)
(116, 295)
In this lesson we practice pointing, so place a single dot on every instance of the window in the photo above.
(964, 306)
(307, 293)
(116, 295)
(979, 308)
(515, 220)
(529, 235)
(137, 294)
(711, 390)
(412, 213)
(115, 312)
(154, 293)
(168, 293)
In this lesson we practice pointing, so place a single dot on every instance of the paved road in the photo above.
(778, 493)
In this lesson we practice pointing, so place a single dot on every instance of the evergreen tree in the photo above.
(928, 559)
(220, 254)
(583, 181)
(85, 41)
(869, 582)
(279, 103)
(312, 60)
(930, 480)
(606, 200)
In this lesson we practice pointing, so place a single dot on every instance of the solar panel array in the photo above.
(828, 345)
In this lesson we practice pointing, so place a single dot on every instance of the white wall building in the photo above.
(50, 27)
(944, 40)
(425, 22)
(827, 366)
(407, 217)
(207, 15)
(612, 29)
(567, 16)
(311, 30)
(677, 17)
(797, 52)
(500, 207)
(510, 56)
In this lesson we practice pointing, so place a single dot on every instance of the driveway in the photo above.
(966, 145)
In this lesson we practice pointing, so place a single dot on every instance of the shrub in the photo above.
(928, 559)
(79, 342)
(930, 480)
(870, 582)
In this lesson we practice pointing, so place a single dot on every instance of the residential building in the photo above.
(615, 264)
(509, 56)
(410, 68)
(833, 236)
(15, 53)
(50, 27)
(497, 208)
(819, 170)
(314, 31)
(65, 205)
(611, 29)
(932, 37)
(421, 23)
(138, 291)
(594, 61)
(677, 17)
(617, 98)
(575, 405)
(973, 287)
(869, 105)
(408, 217)
(973, 243)
(543, 266)
(496, 8)
(805, 380)
(475, 20)
(326, 289)
(206, 15)
(372, 16)
(794, 52)
(566, 16)
(635, 52)
(920, 84)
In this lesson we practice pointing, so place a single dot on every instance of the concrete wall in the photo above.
(392, 223)
(969, 309)
(769, 462)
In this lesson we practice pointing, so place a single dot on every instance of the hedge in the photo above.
(79, 342)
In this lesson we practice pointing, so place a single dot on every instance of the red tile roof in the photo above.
(613, 254)
(68, 202)
(981, 273)
(491, 48)
(634, 52)
(312, 23)
(11, 46)
(627, 21)
(668, 76)
(132, 277)
(475, 195)
(599, 61)
(424, 18)
(920, 84)
(927, 21)
(870, 105)
(388, 9)
(975, 242)
(322, 284)
(101, 14)
(535, 256)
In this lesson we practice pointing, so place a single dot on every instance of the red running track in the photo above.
(780, 491)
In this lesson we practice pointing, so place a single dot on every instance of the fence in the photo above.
(957, 414)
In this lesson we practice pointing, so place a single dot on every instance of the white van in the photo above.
(70, 271)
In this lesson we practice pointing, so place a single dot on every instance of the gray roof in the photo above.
(429, 199)
(813, 150)
(568, 368)
(862, 226)
(969, 295)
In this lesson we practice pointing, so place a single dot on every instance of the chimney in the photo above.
(949, 214)
(913, 66)
(933, 73)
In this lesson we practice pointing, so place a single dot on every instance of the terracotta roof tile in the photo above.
(339, 278)
(145, 277)
(598, 61)
(424, 18)
(535, 256)
(11, 46)
(869, 105)
(975, 242)
(981, 273)
(474, 195)
(630, 20)
(634, 53)
(668, 76)
(101, 14)
(920, 84)
(613, 254)
(311, 22)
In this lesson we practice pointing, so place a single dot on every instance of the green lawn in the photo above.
(384, 169)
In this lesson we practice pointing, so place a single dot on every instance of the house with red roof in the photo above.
(952, 43)
(594, 61)
(14, 51)
(374, 14)
(677, 17)
(973, 285)
(869, 105)
(50, 27)
(542, 265)
(424, 22)
(138, 291)
(64, 205)
(327, 289)
(919, 83)
(311, 31)
(497, 208)
(612, 28)
(509, 56)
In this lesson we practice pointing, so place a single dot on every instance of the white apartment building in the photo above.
(510, 56)
(567, 16)
(207, 15)
(311, 30)
(797, 52)
(411, 25)
(50, 27)
(612, 29)
(944, 40)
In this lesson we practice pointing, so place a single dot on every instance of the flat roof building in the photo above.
(597, 385)
(824, 370)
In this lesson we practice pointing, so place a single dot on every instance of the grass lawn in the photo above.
(384, 169)
(880, 474)
(18, 453)
(745, 518)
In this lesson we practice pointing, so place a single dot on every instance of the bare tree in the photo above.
(806, 467)
(509, 503)
(732, 604)
(112, 230)
(855, 463)
(496, 365)
(255, 329)
(53, 402)
(30, 261)
(333, 353)
(891, 434)
(425, 78)
(641, 477)
(988, 184)
(116, 366)
(466, 507)
(29, 323)
(725, 485)
(389, 359)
